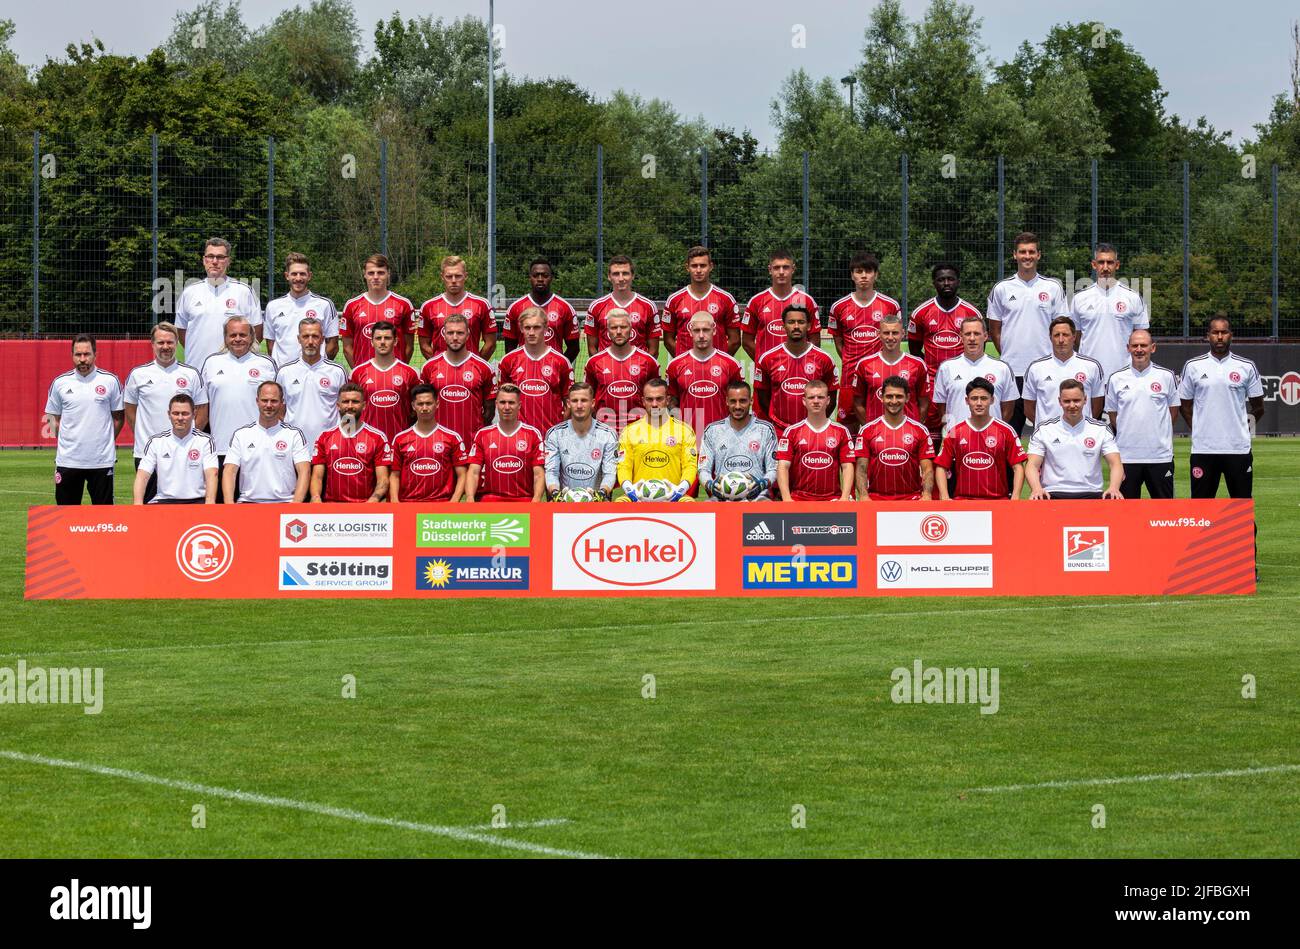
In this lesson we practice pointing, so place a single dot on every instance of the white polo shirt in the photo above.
(202, 311)
(1107, 316)
(1025, 309)
(1141, 402)
(1043, 381)
(231, 385)
(311, 395)
(280, 326)
(267, 458)
(180, 463)
(1219, 390)
(150, 389)
(950, 381)
(1072, 454)
(85, 407)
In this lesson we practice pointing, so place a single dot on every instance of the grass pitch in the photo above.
(763, 710)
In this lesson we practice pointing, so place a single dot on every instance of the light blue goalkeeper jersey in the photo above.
(588, 461)
(751, 450)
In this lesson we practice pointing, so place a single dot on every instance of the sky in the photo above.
(725, 60)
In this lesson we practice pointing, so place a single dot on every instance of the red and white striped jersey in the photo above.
(642, 313)
(477, 310)
(815, 457)
(978, 458)
(359, 314)
(561, 320)
(675, 319)
(700, 386)
(388, 395)
(762, 317)
(463, 391)
(893, 457)
(786, 375)
(870, 374)
(426, 464)
(857, 326)
(617, 383)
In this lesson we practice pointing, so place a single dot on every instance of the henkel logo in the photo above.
(817, 460)
(365, 331)
(934, 528)
(454, 393)
(662, 550)
(704, 389)
(295, 531)
(204, 553)
(534, 387)
(794, 385)
(776, 327)
(978, 461)
(622, 389)
(348, 467)
(864, 333)
(384, 399)
(508, 464)
(425, 467)
(894, 457)
(946, 339)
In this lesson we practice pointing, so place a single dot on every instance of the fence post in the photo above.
(903, 241)
(270, 219)
(1187, 250)
(704, 196)
(1002, 220)
(600, 220)
(383, 196)
(806, 269)
(1275, 254)
(153, 221)
(1093, 246)
(492, 222)
(36, 233)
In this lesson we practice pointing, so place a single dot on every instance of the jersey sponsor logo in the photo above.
(794, 385)
(472, 530)
(977, 460)
(894, 457)
(810, 530)
(776, 572)
(348, 467)
(671, 551)
(933, 571)
(336, 573)
(946, 339)
(365, 331)
(425, 467)
(579, 471)
(817, 460)
(204, 553)
(739, 462)
(508, 464)
(384, 399)
(774, 327)
(864, 334)
(704, 388)
(534, 387)
(655, 459)
(471, 573)
(336, 530)
(622, 389)
(1086, 549)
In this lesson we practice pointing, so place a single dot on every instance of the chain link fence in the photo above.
(118, 227)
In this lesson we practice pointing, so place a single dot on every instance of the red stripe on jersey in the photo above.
(561, 320)
(815, 459)
(434, 313)
(360, 314)
(786, 376)
(426, 464)
(350, 463)
(618, 385)
(543, 384)
(870, 374)
(463, 391)
(935, 334)
(641, 312)
(388, 395)
(857, 327)
(978, 460)
(700, 386)
(682, 305)
(762, 317)
(507, 462)
(893, 457)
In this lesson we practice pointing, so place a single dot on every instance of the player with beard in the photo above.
(617, 373)
(870, 373)
(464, 381)
(507, 461)
(387, 382)
(781, 373)
(739, 443)
(698, 377)
(581, 452)
(894, 454)
(352, 460)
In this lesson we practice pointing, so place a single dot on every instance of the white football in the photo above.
(654, 489)
(577, 496)
(736, 485)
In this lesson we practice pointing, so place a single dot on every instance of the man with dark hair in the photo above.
(429, 459)
(700, 296)
(1107, 313)
(642, 314)
(581, 452)
(563, 328)
(979, 451)
(657, 446)
(352, 460)
(740, 442)
(854, 323)
(387, 382)
(762, 326)
(180, 463)
(284, 315)
(934, 333)
(781, 373)
(950, 382)
(84, 410)
(1042, 388)
(814, 457)
(268, 461)
(1068, 449)
(895, 459)
(204, 309)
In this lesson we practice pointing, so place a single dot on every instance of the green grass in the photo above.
(761, 705)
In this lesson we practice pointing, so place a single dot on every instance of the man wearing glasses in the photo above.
(203, 308)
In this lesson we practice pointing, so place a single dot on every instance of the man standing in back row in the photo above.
(762, 325)
(1107, 313)
(84, 409)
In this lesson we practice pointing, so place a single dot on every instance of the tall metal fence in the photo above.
(101, 236)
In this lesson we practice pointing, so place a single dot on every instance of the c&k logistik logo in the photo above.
(471, 573)
(1087, 548)
(336, 530)
(472, 530)
(803, 572)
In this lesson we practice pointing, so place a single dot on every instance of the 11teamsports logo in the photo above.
(1087, 549)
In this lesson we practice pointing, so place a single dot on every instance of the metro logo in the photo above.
(425, 467)
(534, 387)
(384, 399)
(817, 460)
(508, 464)
(894, 457)
(455, 393)
(978, 461)
(704, 389)
(347, 466)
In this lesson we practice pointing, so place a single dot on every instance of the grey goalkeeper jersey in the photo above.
(751, 450)
(574, 461)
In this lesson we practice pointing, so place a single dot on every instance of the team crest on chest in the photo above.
(990, 441)
(521, 445)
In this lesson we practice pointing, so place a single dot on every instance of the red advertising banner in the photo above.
(1068, 548)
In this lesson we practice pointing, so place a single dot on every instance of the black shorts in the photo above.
(151, 488)
(1236, 470)
(1018, 414)
(1075, 495)
(178, 501)
(71, 483)
(1158, 476)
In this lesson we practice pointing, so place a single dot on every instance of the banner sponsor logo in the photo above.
(921, 529)
(204, 553)
(772, 572)
(664, 552)
(1086, 549)
(472, 530)
(471, 573)
(336, 573)
(336, 530)
(933, 571)
(811, 530)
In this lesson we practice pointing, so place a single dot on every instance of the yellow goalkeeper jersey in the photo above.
(664, 451)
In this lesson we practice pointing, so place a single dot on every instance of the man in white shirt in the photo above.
(1020, 309)
(149, 388)
(231, 379)
(203, 309)
(1067, 450)
(1142, 402)
(311, 384)
(1107, 313)
(1214, 390)
(268, 461)
(180, 462)
(1042, 388)
(84, 410)
(284, 315)
(949, 396)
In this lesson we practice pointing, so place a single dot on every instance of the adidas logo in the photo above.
(1169, 474)
(760, 531)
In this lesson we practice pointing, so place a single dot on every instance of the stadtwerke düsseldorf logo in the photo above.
(472, 530)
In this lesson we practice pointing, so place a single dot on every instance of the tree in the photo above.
(311, 53)
(210, 33)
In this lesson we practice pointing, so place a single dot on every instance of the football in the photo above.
(654, 489)
(735, 485)
(577, 496)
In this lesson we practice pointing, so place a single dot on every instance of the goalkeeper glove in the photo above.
(760, 485)
(630, 490)
(680, 492)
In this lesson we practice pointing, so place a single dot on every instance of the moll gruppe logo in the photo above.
(666, 552)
